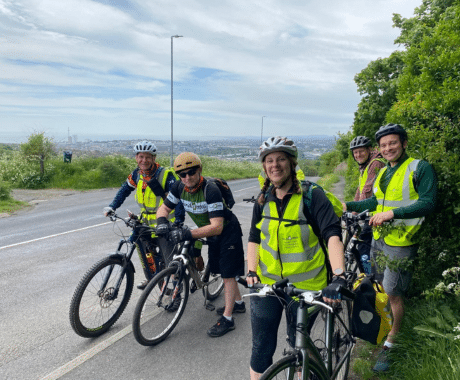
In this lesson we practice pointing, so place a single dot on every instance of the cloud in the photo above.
(106, 65)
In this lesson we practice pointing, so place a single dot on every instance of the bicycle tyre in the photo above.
(216, 284)
(153, 321)
(341, 340)
(92, 313)
(287, 368)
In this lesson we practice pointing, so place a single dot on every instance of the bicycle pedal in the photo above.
(193, 287)
(210, 307)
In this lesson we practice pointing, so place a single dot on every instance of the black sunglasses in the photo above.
(190, 173)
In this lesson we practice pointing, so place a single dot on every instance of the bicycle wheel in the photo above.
(215, 284)
(157, 313)
(342, 341)
(95, 306)
(289, 368)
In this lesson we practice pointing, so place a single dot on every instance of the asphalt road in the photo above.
(45, 251)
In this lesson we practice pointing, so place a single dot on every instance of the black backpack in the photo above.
(222, 184)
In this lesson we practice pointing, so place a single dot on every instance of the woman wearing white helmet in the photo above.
(280, 249)
(151, 183)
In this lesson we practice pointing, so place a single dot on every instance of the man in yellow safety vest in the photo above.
(404, 193)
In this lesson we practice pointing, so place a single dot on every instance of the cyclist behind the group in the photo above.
(279, 249)
(370, 162)
(151, 182)
(405, 192)
(204, 203)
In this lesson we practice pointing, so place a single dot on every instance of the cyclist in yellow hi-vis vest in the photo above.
(151, 182)
(282, 244)
(370, 163)
(404, 192)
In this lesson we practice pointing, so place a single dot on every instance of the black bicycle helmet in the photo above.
(391, 129)
(359, 142)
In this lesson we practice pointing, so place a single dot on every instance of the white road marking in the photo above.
(51, 236)
(66, 368)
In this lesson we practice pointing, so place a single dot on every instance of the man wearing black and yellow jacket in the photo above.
(370, 163)
(404, 193)
(151, 182)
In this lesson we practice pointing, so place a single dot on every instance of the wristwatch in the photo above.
(339, 272)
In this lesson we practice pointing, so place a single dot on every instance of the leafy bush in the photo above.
(5, 191)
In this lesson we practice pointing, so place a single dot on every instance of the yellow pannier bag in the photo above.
(371, 319)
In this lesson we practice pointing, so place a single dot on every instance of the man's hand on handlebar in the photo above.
(179, 235)
(162, 226)
(107, 211)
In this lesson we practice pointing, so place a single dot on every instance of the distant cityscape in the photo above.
(309, 147)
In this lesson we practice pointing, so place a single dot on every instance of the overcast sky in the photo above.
(103, 68)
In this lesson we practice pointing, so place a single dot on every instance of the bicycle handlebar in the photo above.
(284, 287)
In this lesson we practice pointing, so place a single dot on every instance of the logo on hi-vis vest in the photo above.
(291, 243)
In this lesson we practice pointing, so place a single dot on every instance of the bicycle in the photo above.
(323, 357)
(104, 291)
(163, 301)
(351, 230)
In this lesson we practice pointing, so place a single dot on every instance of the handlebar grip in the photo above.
(242, 281)
(347, 293)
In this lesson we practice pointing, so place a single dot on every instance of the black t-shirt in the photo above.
(321, 211)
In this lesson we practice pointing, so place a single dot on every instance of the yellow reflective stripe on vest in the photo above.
(291, 251)
(363, 177)
(400, 192)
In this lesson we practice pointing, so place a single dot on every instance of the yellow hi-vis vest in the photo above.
(149, 202)
(399, 193)
(365, 174)
(290, 251)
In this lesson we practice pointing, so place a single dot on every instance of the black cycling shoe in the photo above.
(237, 308)
(222, 327)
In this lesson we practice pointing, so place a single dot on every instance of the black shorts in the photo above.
(226, 253)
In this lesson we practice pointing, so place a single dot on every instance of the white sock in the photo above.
(388, 344)
(228, 318)
(240, 302)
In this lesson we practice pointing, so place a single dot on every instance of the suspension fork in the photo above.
(126, 260)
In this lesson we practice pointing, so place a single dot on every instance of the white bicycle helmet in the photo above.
(277, 144)
(145, 147)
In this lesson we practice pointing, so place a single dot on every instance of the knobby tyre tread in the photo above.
(153, 318)
(287, 368)
(93, 312)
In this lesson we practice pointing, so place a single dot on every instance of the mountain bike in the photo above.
(163, 301)
(322, 354)
(352, 226)
(104, 291)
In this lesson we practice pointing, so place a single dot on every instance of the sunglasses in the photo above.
(190, 173)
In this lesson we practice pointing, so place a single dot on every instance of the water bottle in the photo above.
(366, 264)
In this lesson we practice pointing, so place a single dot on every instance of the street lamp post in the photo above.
(262, 130)
(172, 135)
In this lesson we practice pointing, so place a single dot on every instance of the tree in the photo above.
(377, 83)
(38, 148)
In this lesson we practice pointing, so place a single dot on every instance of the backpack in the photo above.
(370, 319)
(308, 187)
(222, 184)
(224, 189)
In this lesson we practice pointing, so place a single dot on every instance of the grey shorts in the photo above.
(395, 283)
